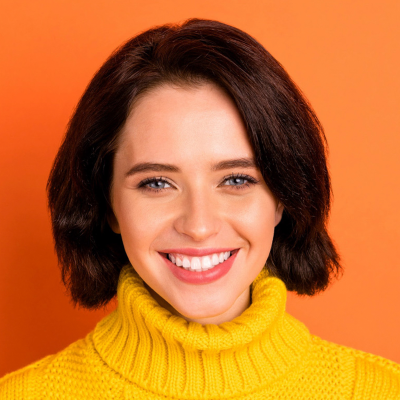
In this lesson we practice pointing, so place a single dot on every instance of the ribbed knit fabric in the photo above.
(142, 351)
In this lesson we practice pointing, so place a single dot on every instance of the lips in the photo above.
(203, 277)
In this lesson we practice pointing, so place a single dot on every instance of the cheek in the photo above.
(139, 222)
(258, 215)
(256, 224)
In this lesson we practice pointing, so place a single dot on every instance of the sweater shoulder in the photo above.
(374, 377)
(14, 384)
(53, 375)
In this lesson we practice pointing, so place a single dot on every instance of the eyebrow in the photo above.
(221, 165)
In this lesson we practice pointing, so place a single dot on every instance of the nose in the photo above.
(199, 216)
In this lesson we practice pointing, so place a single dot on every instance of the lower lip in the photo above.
(203, 277)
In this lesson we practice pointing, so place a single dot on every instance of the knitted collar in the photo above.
(165, 354)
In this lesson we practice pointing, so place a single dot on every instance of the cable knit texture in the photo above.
(142, 351)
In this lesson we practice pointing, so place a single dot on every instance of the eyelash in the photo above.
(251, 181)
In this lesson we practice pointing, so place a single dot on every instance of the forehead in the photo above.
(185, 123)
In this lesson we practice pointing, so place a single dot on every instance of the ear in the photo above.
(112, 221)
(278, 213)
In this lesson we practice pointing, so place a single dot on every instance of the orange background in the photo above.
(343, 54)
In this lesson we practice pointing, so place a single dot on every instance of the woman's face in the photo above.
(192, 205)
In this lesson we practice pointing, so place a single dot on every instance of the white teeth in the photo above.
(186, 263)
(195, 265)
(199, 263)
(206, 263)
(215, 259)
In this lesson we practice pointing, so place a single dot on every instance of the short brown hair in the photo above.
(288, 141)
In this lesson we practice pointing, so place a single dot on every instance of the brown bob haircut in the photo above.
(288, 141)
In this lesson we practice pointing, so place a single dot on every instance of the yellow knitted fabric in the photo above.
(142, 351)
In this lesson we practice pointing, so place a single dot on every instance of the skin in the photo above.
(192, 128)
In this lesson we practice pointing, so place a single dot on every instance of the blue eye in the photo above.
(239, 180)
(157, 185)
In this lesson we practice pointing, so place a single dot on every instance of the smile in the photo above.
(206, 269)
(199, 263)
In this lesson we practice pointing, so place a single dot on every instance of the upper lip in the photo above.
(190, 251)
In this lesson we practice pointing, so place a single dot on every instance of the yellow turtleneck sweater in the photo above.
(142, 351)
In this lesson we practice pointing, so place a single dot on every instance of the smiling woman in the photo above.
(200, 257)
(196, 205)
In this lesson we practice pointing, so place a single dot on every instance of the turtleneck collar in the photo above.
(165, 354)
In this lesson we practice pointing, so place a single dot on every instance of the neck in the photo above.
(237, 308)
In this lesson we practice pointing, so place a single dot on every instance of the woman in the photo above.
(192, 183)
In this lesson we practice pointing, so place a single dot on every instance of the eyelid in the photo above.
(152, 179)
(240, 175)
